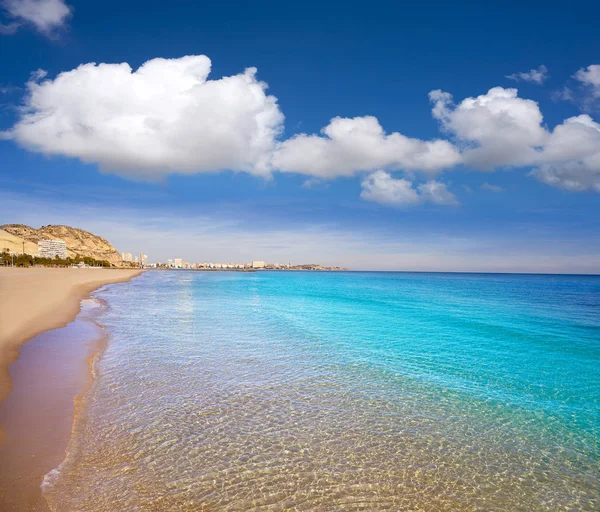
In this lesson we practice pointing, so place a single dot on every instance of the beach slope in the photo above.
(34, 300)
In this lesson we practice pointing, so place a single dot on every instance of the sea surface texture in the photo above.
(341, 391)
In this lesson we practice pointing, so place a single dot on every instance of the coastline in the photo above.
(33, 301)
(78, 416)
(50, 380)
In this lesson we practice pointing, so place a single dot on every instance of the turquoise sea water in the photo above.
(341, 391)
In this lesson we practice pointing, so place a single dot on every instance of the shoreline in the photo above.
(78, 417)
(40, 414)
(34, 301)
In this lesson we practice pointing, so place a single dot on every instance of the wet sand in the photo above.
(48, 376)
(34, 300)
(50, 379)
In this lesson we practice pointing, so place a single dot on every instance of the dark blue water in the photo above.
(342, 391)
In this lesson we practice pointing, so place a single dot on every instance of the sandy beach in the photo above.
(34, 300)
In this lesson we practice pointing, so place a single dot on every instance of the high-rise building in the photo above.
(52, 249)
(126, 256)
(143, 259)
(178, 263)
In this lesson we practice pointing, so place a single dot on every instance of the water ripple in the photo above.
(341, 392)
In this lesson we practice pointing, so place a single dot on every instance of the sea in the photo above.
(337, 391)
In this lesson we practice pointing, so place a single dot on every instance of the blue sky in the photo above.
(491, 179)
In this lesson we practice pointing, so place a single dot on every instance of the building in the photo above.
(144, 259)
(52, 249)
(178, 263)
(258, 264)
(126, 256)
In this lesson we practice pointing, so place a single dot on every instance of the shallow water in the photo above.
(341, 391)
(48, 380)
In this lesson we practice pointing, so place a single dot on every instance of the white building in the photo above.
(126, 256)
(52, 249)
(258, 264)
(178, 263)
(144, 259)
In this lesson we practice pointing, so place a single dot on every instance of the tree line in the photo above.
(27, 260)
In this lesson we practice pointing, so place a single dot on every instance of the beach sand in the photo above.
(48, 376)
(34, 300)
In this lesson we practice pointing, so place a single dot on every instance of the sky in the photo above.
(379, 136)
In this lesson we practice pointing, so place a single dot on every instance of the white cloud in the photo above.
(168, 117)
(572, 176)
(577, 138)
(164, 117)
(537, 76)
(564, 94)
(492, 188)
(436, 192)
(590, 77)
(314, 183)
(571, 156)
(46, 15)
(497, 128)
(381, 187)
(348, 145)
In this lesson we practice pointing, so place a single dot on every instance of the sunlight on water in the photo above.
(354, 391)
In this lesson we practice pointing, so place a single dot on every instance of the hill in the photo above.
(82, 243)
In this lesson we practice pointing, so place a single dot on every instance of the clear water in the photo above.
(341, 391)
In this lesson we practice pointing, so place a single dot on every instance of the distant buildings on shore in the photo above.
(178, 263)
(52, 249)
(141, 260)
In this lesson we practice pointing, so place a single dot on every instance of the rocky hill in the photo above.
(15, 237)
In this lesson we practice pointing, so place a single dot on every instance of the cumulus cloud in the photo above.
(571, 157)
(589, 88)
(348, 145)
(169, 117)
(500, 129)
(537, 76)
(381, 187)
(572, 176)
(166, 116)
(497, 128)
(591, 78)
(47, 16)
